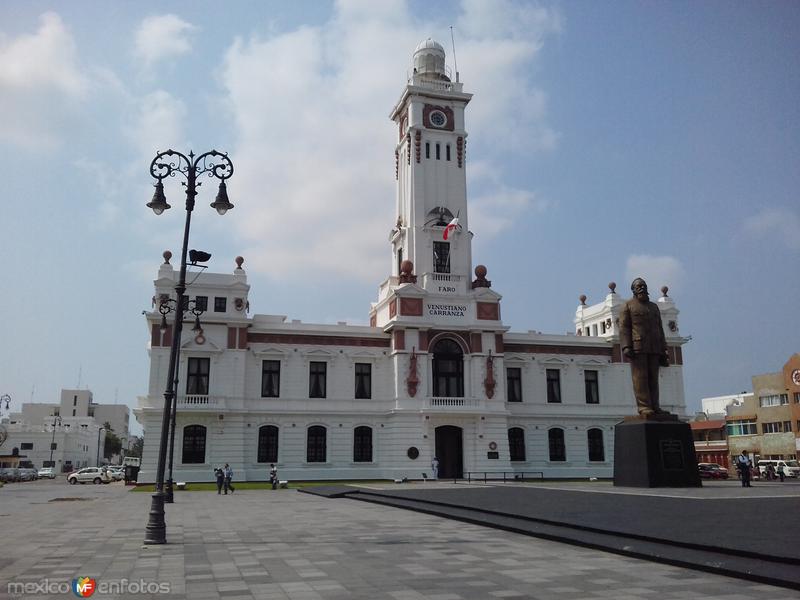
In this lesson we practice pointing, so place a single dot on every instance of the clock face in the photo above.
(796, 377)
(438, 118)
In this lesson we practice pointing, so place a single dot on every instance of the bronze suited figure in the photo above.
(642, 341)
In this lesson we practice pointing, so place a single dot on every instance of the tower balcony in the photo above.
(442, 85)
(446, 284)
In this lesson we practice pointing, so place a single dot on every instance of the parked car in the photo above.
(711, 471)
(116, 473)
(27, 474)
(791, 468)
(48, 472)
(9, 474)
(94, 474)
(719, 471)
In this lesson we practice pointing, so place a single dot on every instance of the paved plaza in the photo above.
(290, 545)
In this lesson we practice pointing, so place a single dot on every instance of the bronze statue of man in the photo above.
(642, 341)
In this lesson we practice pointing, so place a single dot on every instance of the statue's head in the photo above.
(639, 289)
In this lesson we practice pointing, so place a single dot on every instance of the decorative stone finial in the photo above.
(167, 255)
(664, 290)
(239, 262)
(613, 287)
(407, 272)
(480, 278)
(582, 298)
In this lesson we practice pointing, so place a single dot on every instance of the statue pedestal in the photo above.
(654, 452)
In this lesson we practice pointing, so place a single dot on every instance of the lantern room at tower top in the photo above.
(436, 372)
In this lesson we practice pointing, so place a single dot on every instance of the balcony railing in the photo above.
(198, 401)
(444, 402)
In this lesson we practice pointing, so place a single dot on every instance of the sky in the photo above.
(606, 141)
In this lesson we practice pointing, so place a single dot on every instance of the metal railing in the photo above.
(198, 401)
(504, 476)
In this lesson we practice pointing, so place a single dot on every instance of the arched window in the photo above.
(316, 444)
(595, 439)
(362, 444)
(448, 369)
(555, 437)
(194, 444)
(268, 444)
(516, 443)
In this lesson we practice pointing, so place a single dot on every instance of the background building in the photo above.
(436, 373)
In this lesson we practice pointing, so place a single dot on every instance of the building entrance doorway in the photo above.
(449, 451)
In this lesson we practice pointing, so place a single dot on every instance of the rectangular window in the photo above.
(776, 427)
(787, 427)
(54, 446)
(594, 330)
(438, 151)
(73, 412)
(270, 378)
(201, 303)
(742, 427)
(197, 376)
(447, 151)
(441, 257)
(427, 149)
(773, 400)
(553, 385)
(26, 446)
(592, 387)
(602, 326)
(514, 384)
(220, 304)
(317, 374)
(74, 401)
(797, 397)
(363, 380)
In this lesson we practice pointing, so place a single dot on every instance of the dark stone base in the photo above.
(654, 453)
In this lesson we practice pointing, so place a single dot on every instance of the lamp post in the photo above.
(169, 164)
(167, 306)
(97, 460)
(56, 418)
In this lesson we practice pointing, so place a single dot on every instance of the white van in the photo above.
(134, 461)
(791, 468)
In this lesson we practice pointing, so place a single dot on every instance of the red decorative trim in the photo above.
(417, 143)
(498, 343)
(678, 355)
(166, 339)
(316, 340)
(423, 341)
(231, 338)
(155, 336)
(242, 338)
(545, 349)
(411, 307)
(616, 354)
(463, 337)
(373, 320)
(460, 150)
(393, 308)
(489, 383)
(399, 337)
(475, 343)
(426, 117)
(488, 311)
(413, 380)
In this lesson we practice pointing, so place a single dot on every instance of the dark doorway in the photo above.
(449, 451)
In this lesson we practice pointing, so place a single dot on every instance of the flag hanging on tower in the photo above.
(452, 226)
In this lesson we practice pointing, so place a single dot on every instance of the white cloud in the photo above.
(313, 188)
(162, 37)
(779, 223)
(41, 83)
(657, 271)
(159, 124)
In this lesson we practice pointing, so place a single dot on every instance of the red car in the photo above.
(712, 471)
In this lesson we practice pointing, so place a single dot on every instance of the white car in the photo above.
(116, 473)
(94, 474)
(47, 472)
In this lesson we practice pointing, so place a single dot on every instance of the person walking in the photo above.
(228, 477)
(220, 477)
(273, 476)
(743, 463)
(770, 472)
(435, 468)
(781, 473)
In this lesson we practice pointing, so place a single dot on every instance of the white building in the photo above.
(717, 406)
(436, 373)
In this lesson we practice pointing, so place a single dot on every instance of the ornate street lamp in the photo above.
(169, 164)
(167, 306)
(3, 433)
(57, 419)
(97, 460)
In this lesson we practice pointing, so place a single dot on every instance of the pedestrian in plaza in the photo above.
(273, 476)
(228, 471)
(220, 477)
(771, 472)
(781, 472)
(435, 468)
(744, 464)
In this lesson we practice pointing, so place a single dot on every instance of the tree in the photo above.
(136, 447)
(113, 444)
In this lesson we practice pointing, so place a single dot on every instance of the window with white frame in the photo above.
(742, 427)
(773, 400)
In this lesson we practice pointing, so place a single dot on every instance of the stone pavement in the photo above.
(287, 545)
